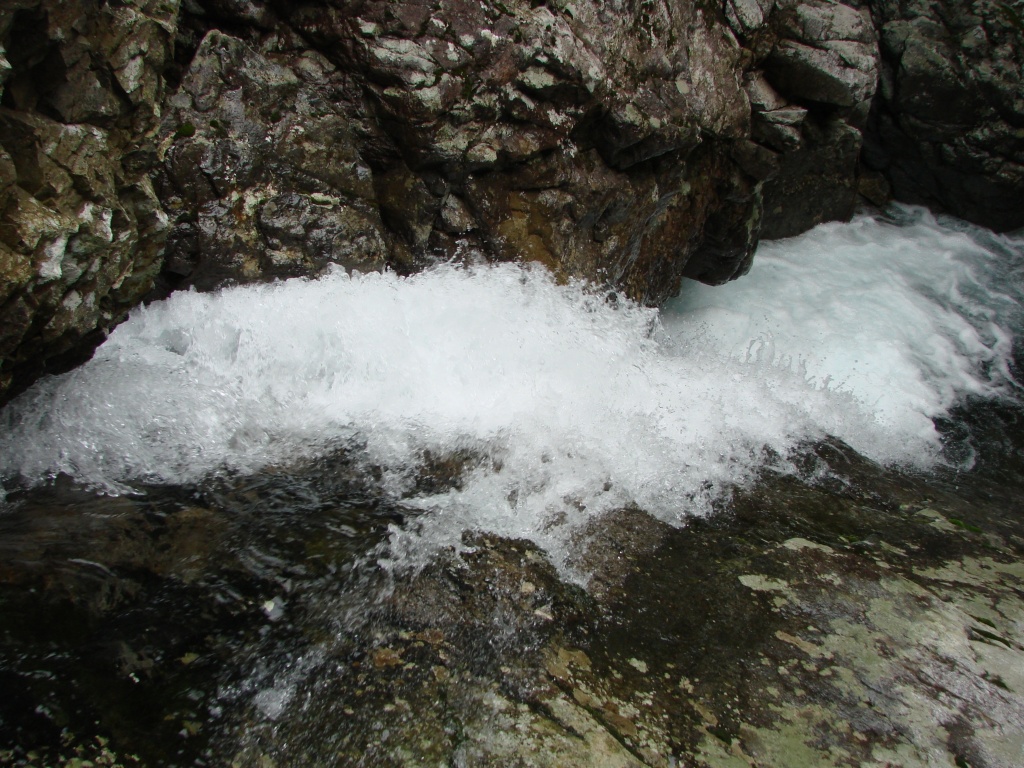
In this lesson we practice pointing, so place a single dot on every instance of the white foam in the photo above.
(906, 317)
(864, 331)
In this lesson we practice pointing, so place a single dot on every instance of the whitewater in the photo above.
(568, 400)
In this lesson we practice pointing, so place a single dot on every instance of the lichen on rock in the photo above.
(534, 119)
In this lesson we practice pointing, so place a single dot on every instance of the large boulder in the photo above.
(826, 54)
(81, 229)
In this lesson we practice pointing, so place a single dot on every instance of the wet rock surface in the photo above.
(810, 107)
(262, 171)
(558, 134)
(855, 616)
(81, 228)
(629, 144)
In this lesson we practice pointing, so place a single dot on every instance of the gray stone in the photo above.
(780, 128)
(843, 73)
(818, 181)
(946, 130)
(761, 94)
(814, 22)
(627, 144)
(745, 16)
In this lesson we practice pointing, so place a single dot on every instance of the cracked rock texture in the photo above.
(81, 229)
(148, 146)
(592, 137)
(846, 615)
(948, 127)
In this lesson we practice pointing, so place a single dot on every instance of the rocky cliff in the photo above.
(948, 127)
(81, 229)
(146, 146)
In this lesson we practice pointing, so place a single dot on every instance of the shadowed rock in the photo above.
(947, 128)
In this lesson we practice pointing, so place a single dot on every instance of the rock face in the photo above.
(628, 144)
(263, 171)
(850, 615)
(631, 144)
(81, 229)
(810, 73)
(948, 128)
(593, 137)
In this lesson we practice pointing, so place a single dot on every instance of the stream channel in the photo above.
(474, 517)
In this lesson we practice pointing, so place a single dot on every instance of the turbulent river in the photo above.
(492, 399)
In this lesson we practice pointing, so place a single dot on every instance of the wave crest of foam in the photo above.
(579, 405)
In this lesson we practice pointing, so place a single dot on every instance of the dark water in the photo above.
(987, 435)
(134, 618)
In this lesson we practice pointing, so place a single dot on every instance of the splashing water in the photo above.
(569, 404)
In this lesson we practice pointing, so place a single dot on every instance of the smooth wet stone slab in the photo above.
(862, 618)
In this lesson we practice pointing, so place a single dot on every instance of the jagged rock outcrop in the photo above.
(815, 70)
(628, 143)
(81, 229)
(263, 171)
(592, 137)
(948, 128)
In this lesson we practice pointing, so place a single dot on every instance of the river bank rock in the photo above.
(632, 145)
(948, 127)
(824, 69)
(262, 172)
(81, 228)
(629, 146)
(376, 134)
(844, 614)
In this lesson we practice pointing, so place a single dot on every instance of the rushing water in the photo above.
(570, 403)
(397, 413)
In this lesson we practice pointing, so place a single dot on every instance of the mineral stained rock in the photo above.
(628, 144)
(594, 138)
(631, 144)
(849, 616)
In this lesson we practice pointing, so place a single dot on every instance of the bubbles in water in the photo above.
(566, 405)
